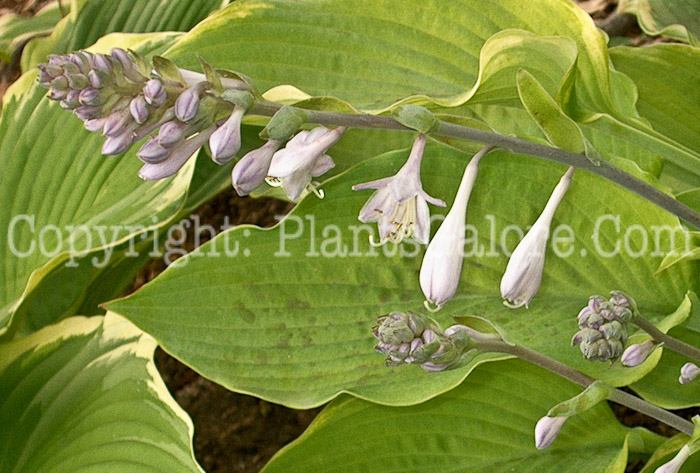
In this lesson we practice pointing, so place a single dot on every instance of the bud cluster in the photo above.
(408, 337)
(120, 96)
(603, 326)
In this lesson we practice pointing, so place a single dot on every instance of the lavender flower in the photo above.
(302, 159)
(400, 205)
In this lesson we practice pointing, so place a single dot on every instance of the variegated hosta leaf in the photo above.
(85, 395)
(485, 425)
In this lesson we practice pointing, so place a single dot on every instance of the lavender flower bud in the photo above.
(116, 123)
(96, 81)
(177, 158)
(171, 133)
(56, 94)
(250, 171)
(114, 145)
(636, 354)
(95, 124)
(187, 103)
(87, 112)
(69, 68)
(138, 109)
(154, 93)
(399, 327)
(78, 81)
(152, 152)
(547, 430)
(72, 99)
(50, 70)
(90, 96)
(103, 63)
(688, 373)
(226, 140)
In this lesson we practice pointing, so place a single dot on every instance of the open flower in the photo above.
(303, 158)
(400, 205)
(442, 263)
(523, 275)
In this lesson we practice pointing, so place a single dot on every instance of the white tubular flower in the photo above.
(523, 275)
(400, 205)
(674, 466)
(302, 159)
(442, 263)
(547, 430)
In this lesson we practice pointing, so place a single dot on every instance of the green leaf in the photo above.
(486, 424)
(67, 198)
(416, 117)
(16, 30)
(559, 129)
(677, 19)
(89, 20)
(289, 317)
(85, 395)
(425, 50)
(669, 102)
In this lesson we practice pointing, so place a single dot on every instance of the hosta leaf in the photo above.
(677, 19)
(89, 20)
(380, 56)
(485, 425)
(16, 29)
(289, 317)
(85, 395)
(59, 185)
(670, 107)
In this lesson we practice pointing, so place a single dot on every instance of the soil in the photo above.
(239, 433)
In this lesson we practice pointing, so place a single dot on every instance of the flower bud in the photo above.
(171, 133)
(138, 109)
(177, 158)
(442, 263)
(116, 123)
(226, 140)
(250, 171)
(96, 79)
(688, 373)
(89, 96)
(78, 81)
(87, 112)
(154, 93)
(187, 103)
(103, 63)
(152, 152)
(95, 124)
(547, 430)
(636, 354)
(59, 83)
(114, 145)
(523, 275)
(674, 466)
